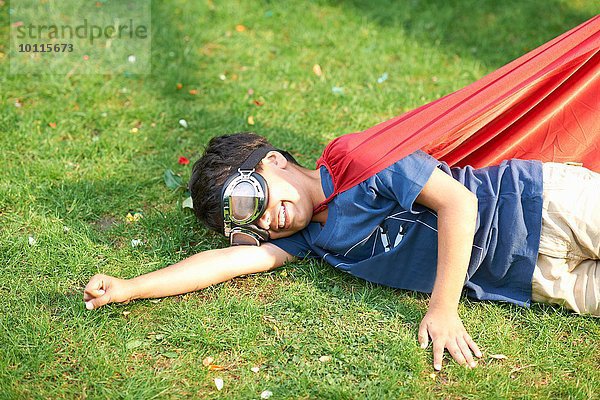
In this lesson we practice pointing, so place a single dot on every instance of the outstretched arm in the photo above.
(456, 208)
(194, 273)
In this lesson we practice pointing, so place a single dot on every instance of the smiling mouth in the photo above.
(282, 217)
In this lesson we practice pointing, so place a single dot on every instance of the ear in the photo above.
(275, 159)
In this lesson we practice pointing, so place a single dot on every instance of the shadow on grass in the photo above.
(391, 303)
(490, 31)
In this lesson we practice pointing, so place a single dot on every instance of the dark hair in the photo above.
(223, 156)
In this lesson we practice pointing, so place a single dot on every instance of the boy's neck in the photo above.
(317, 196)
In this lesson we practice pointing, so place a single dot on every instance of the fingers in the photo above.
(473, 345)
(94, 288)
(97, 302)
(94, 294)
(423, 336)
(461, 348)
(467, 356)
(438, 354)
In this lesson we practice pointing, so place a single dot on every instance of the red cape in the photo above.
(543, 106)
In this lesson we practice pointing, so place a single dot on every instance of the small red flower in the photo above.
(183, 161)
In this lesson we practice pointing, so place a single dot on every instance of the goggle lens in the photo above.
(244, 201)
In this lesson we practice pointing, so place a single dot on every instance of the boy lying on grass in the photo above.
(516, 232)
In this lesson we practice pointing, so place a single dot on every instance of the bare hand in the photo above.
(104, 289)
(447, 332)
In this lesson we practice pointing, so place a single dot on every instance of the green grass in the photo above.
(70, 188)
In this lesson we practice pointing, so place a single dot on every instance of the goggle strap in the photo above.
(255, 157)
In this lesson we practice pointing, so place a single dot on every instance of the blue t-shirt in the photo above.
(377, 232)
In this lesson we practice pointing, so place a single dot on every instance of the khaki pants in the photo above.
(568, 265)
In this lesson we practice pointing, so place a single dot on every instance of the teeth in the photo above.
(281, 216)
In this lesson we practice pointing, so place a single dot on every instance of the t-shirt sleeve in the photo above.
(404, 180)
(296, 245)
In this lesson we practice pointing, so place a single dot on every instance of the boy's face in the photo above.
(290, 206)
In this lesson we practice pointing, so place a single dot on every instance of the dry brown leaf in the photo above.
(317, 70)
(498, 356)
(207, 361)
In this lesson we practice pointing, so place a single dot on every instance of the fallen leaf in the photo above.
(325, 359)
(126, 313)
(172, 180)
(317, 70)
(52, 124)
(266, 394)
(179, 86)
(258, 103)
(32, 241)
(498, 356)
(183, 123)
(240, 28)
(135, 217)
(154, 301)
(213, 367)
(382, 78)
(251, 120)
(188, 203)
(183, 160)
(207, 361)
(219, 383)
(132, 344)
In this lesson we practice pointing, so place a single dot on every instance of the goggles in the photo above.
(244, 199)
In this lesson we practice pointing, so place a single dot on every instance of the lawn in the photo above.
(81, 152)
